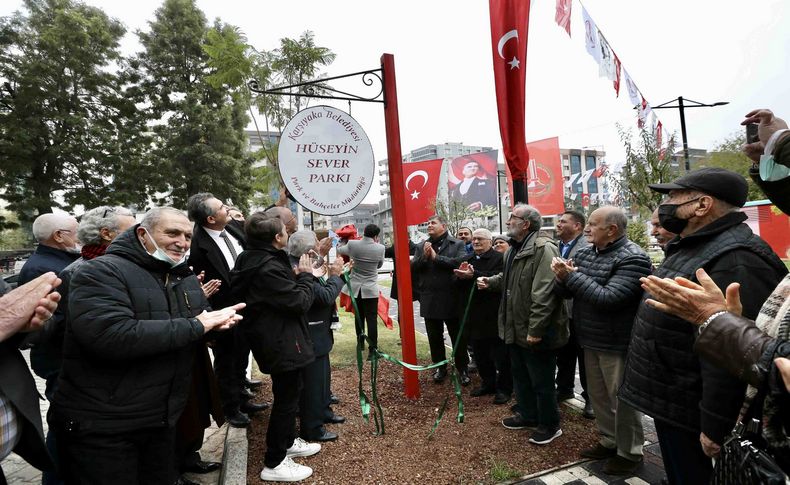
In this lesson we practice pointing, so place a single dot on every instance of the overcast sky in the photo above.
(704, 50)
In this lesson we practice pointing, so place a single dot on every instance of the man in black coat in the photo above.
(135, 315)
(603, 281)
(432, 267)
(215, 246)
(22, 310)
(278, 297)
(314, 402)
(694, 403)
(491, 355)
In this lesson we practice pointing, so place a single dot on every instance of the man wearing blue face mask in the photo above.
(135, 314)
(694, 403)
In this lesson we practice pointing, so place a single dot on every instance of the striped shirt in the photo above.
(9, 427)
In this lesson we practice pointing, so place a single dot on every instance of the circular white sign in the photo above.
(326, 160)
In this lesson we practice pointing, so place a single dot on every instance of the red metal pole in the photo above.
(411, 385)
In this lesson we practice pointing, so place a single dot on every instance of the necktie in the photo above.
(224, 235)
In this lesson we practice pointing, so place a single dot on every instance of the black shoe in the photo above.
(238, 420)
(184, 481)
(564, 396)
(334, 419)
(250, 407)
(598, 452)
(544, 436)
(472, 368)
(501, 398)
(203, 467)
(334, 399)
(517, 422)
(588, 411)
(246, 394)
(482, 391)
(252, 383)
(439, 375)
(465, 379)
(324, 436)
(617, 465)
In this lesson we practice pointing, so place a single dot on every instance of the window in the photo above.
(592, 183)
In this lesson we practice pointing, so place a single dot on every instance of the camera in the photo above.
(751, 133)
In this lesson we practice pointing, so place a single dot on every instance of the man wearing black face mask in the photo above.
(694, 403)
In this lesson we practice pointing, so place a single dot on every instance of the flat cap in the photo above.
(717, 182)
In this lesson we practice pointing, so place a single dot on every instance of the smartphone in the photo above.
(751, 133)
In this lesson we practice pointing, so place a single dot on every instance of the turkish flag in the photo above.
(563, 15)
(421, 181)
(509, 27)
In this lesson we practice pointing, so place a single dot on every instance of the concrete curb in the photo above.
(234, 457)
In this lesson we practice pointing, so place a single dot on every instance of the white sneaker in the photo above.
(286, 471)
(303, 448)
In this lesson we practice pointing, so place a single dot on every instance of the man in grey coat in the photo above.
(367, 254)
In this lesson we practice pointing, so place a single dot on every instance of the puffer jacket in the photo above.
(606, 292)
(275, 319)
(128, 346)
(664, 378)
(529, 305)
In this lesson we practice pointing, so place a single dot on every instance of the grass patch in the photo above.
(501, 472)
(786, 261)
(344, 352)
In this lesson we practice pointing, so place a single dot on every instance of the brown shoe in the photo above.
(599, 452)
(617, 465)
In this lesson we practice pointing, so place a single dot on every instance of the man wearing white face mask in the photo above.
(135, 314)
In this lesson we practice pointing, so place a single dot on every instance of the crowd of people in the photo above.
(121, 315)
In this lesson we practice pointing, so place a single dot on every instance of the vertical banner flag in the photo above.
(472, 180)
(591, 36)
(509, 27)
(421, 181)
(617, 67)
(633, 92)
(545, 181)
(563, 15)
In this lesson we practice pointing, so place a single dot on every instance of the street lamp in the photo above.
(682, 106)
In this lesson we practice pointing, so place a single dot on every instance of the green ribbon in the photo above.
(376, 354)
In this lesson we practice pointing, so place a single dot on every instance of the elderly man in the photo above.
(603, 281)
(490, 350)
(134, 317)
(695, 404)
(215, 247)
(279, 297)
(314, 408)
(570, 233)
(23, 310)
(657, 231)
(433, 266)
(533, 323)
(367, 254)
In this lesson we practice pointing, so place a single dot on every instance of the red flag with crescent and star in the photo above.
(509, 27)
(421, 181)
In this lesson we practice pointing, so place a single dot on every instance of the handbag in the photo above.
(744, 459)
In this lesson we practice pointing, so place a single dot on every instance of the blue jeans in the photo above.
(533, 383)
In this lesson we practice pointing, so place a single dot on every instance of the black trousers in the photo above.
(493, 364)
(142, 457)
(684, 461)
(368, 307)
(567, 356)
(314, 399)
(281, 433)
(435, 329)
(231, 352)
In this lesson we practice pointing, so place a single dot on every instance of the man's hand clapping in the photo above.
(29, 306)
(562, 268)
(221, 319)
(465, 272)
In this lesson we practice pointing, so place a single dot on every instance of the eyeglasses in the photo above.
(513, 216)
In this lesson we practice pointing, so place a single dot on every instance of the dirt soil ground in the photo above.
(479, 450)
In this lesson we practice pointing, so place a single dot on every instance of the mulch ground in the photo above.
(460, 453)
